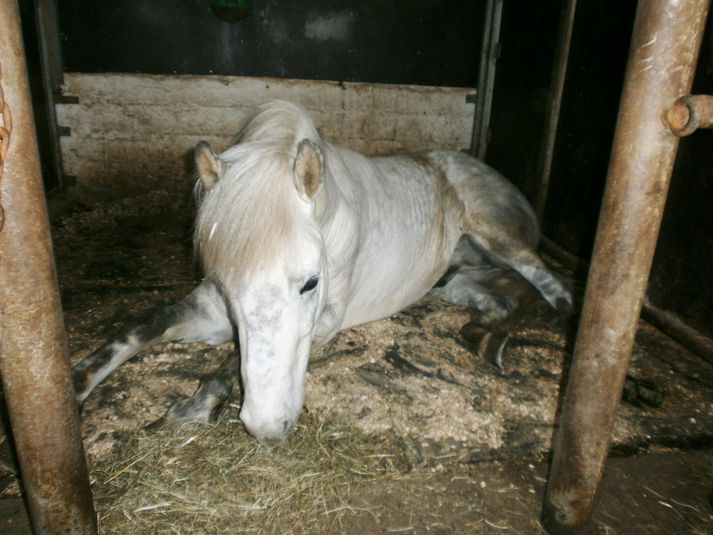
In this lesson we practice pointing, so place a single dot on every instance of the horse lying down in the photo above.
(300, 238)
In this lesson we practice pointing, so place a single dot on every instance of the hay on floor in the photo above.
(218, 479)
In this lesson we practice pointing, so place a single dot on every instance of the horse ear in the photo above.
(309, 168)
(208, 165)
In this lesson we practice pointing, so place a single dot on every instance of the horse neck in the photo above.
(338, 190)
(340, 208)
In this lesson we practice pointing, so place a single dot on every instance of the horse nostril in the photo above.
(285, 427)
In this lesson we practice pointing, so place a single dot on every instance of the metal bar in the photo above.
(665, 321)
(52, 75)
(50, 43)
(34, 365)
(662, 59)
(684, 334)
(554, 105)
(689, 113)
(482, 78)
(486, 77)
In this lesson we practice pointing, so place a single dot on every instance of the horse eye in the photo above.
(310, 285)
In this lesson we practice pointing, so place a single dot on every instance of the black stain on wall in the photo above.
(433, 42)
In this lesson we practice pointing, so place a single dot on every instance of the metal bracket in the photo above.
(689, 113)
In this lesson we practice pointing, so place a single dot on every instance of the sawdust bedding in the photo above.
(412, 376)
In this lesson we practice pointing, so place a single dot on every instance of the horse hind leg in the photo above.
(520, 256)
(495, 294)
(479, 280)
(475, 281)
(199, 317)
(464, 288)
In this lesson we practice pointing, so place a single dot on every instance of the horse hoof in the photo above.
(488, 344)
(156, 424)
(192, 411)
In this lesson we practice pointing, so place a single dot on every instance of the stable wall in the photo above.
(126, 133)
(433, 42)
(683, 266)
(425, 42)
(401, 71)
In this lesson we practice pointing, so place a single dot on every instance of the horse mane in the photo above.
(253, 212)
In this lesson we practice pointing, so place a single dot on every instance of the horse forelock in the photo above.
(252, 218)
(279, 120)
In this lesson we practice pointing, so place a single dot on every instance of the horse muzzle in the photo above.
(267, 431)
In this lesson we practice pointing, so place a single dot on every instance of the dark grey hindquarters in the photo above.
(200, 317)
(494, 291)
(500, 234)
(475, 281)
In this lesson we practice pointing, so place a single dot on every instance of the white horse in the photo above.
(300, 238)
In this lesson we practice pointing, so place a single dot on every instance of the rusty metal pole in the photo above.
(34, 364)
(664, 50)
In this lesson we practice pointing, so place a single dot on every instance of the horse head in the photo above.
(258, 240)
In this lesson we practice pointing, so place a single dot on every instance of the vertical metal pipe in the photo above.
(34, 364)
(52, 76)
(664, 50)
(564, 41)
(482, 78)
(486, 78)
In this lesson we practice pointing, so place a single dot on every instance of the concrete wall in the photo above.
(131, 133)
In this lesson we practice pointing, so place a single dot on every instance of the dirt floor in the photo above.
(476, 437)
(414, 374)
(663, 492)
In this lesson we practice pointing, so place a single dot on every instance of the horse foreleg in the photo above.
(213, 391)
(200, 317)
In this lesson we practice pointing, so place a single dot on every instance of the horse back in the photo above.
(409, 223)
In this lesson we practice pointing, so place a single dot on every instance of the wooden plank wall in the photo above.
(130, 132)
